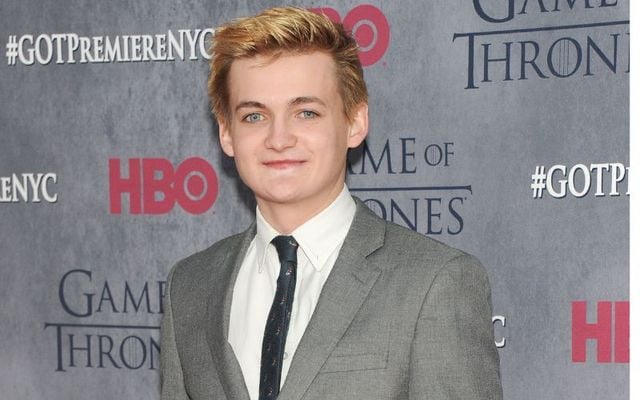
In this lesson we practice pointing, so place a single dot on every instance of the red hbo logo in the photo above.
(369, 27)
(154, 186)
(610, 331)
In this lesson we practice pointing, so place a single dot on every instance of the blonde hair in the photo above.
(284, 30)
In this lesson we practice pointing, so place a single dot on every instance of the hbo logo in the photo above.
(154, 186)
(369, 27)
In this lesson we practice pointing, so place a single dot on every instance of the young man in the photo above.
(319, 298)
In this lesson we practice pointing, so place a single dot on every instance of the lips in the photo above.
(283, 164)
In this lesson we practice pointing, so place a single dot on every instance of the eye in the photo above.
(253, 117)
(308, 114)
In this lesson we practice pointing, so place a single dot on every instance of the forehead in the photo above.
(290, 75)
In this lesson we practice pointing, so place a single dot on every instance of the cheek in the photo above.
(323, 146)
(244, 144)
(331, 137)
(339, 144)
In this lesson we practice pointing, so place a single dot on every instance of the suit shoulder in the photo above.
(386, 237)
(426, 253)
(201, 262)
(407, 240)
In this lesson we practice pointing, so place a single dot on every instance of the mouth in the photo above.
(283, 164)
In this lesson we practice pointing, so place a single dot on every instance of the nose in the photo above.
(280, 136)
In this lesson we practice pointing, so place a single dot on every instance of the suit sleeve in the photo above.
(453, 354)
(171, 378)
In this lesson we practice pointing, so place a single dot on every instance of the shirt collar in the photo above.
(318, 237)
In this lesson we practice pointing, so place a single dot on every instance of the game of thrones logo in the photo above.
(401, 195)
(99, 332)
(545, 52)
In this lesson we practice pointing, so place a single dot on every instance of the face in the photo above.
(288, 132)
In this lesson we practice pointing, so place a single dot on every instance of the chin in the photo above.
(280, 188)
(281, 197)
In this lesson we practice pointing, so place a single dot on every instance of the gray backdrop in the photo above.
(497, 126)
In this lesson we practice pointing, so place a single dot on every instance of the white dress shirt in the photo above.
(320, 240)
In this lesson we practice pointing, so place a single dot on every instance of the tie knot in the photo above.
(286, 247)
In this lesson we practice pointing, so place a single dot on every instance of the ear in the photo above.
(226, 142)
(358, 126)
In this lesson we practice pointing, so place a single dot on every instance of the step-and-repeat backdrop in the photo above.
(497, 126)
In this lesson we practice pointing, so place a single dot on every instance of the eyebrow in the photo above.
(295, 102)
(306, 100)
(250, 104)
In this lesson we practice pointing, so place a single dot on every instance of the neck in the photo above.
(286, 217)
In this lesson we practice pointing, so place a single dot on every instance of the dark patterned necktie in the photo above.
(275, 331)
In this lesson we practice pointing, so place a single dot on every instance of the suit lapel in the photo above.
(219, 310)
(347, 287)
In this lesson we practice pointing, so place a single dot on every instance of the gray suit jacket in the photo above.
(401, 316)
